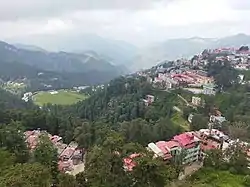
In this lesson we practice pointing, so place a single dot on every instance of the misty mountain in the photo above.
(29, 47)
(58, 61)
(38, 79)
(117, 52)
(187, 47)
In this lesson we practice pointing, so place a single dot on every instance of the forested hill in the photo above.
(59, 69)
(56, 61)
(122, 100)
(9, 101)
(110, 125)
(36, 78)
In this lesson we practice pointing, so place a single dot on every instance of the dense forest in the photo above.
(113, 123)
(9, 101)
(37, 79)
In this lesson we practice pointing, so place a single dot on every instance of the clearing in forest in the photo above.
(60, 97)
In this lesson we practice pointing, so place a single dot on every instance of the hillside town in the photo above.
(155, 109)
(70, 156)
(112, 93)
(192, 75)
(191, 145)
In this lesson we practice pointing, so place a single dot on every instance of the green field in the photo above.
(63, 97)
(179, 120)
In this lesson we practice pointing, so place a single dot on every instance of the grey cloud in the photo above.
(21, 9)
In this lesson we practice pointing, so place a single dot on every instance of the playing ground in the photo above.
(63, 97)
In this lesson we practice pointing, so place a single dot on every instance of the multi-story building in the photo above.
(209, 89)
(162, 145)
(190, 146)
(212, 139)
(174, 148)
(185, 144)
(69, 156)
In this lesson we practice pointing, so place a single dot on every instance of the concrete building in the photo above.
(68, 155)
(163, 146)
(217, 119)
(196, 101)
(208, 89)
(190, 146)
(186, 144)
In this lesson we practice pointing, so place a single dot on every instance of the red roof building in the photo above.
(191, 146)
(186, 140)
(172, 144)
(67, 153)
(129, 163)
(64, 166)
(162, 145)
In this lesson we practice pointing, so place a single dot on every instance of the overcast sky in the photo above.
(135, 21)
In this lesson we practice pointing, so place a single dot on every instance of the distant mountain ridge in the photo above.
(118, 52)
(57, 61)
(177, 48)
(29, 47)
(121, 54)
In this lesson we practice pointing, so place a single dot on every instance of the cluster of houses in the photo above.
(195, 81)
(80, 88)
(191, 74)
(239, 58)
(15, 87)
(188, 147)
(69, 155)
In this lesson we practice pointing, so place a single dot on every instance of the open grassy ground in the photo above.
(63, 97)
(212, 178)
(179, 120)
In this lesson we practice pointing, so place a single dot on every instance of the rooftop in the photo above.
(172, 144)
(68, 152)
(185, 139)
(129, 163)
(163, 147)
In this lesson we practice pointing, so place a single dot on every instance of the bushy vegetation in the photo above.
(111, 124)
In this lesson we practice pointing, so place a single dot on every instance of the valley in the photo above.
(134, 93)
(181, 123)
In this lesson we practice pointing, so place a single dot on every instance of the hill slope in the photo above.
(9, 101)
(29, 47)
(59, 62)
(177, 48)
(37, 79)
(119, 52)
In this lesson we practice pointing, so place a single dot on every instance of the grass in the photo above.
(179, 120)
(218, 179)
(212, 178)
(63, 97)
